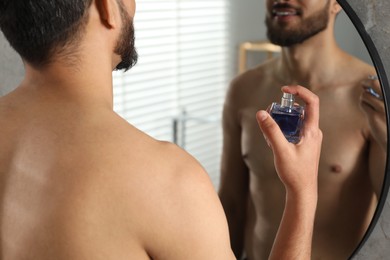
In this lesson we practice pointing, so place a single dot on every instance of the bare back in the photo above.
(78, 182)
(346, 196)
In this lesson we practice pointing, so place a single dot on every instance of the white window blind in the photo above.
(181, 77)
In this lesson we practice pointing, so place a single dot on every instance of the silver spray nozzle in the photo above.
(287, 100)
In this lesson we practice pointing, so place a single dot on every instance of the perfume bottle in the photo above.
(289, 117)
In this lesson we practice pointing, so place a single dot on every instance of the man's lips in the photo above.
(284, 10)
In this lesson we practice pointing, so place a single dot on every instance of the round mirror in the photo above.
(367, 18)
(315, 53)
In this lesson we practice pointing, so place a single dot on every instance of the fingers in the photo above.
(271, 130)
(372, 86)
(371, 98)
(312, 104)
(369, 103)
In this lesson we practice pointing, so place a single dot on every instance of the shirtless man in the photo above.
(353, 158)
(79, 182)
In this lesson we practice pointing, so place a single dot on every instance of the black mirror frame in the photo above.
(376, 59)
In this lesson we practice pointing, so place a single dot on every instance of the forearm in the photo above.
(294, 237)
(297, 167)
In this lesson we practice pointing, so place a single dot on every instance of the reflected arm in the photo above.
(377, 165)
(374, 109)
(234, 185)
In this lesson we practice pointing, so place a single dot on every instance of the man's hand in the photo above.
(296, 164)
(371, 102)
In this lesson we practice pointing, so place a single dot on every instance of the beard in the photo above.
(125, 46)
(281, 35)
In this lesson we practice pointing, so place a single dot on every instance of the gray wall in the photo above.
(11, 67)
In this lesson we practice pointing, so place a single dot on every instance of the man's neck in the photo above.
(311, 64)
(80, 83)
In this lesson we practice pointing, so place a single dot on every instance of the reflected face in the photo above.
(289, 24)
(125, 46)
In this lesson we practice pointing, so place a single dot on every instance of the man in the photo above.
(353, 156)
(79, 182)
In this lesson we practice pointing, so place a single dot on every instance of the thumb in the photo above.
(271, 130)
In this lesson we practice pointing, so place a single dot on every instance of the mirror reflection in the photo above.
(352, 119)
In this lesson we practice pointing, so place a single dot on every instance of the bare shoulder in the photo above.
(348, 84)
(356, 69)
(253, 75)
(113, 188)
(152, 154)
(246, 85)
(171, 200)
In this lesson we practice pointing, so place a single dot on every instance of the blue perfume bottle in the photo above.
(289, 117)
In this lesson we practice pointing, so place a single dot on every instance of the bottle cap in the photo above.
(287, 100)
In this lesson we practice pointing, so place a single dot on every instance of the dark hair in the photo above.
(37, 29)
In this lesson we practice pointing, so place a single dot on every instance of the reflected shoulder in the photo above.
(357, 67)
(255, 73)
(249, 83)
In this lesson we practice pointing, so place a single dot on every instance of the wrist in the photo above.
(303, 198)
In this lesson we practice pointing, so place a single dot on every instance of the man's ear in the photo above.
(335, 7)
(108, 12)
